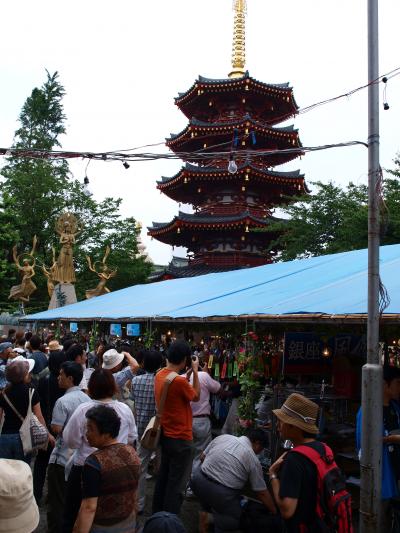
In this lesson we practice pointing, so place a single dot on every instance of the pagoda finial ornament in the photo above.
(239, 39)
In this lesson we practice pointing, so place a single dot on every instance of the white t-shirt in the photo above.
(74, 433)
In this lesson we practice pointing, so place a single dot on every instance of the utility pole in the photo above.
(372, 395)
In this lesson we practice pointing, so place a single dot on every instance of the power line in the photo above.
(119, 155)
(189, 156)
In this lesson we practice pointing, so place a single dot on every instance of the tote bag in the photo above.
(34, 435)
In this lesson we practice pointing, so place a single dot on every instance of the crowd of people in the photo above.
(96, 407)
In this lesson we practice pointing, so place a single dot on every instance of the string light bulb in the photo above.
(86, 189)
(126, 165)
(232, 166)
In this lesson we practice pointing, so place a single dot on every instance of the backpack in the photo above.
(333, 506)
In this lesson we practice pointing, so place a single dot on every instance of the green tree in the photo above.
(335, 219)
(122, 238)
(391, 211)
(35, 191)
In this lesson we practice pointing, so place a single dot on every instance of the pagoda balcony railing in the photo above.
(226, 260)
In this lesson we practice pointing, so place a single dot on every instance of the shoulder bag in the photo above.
(34, 435)
(152, 433)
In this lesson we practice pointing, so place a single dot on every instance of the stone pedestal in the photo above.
(63, 294)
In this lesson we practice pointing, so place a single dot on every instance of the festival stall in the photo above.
(272, 329)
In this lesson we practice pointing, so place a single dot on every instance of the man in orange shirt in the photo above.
(176, 423)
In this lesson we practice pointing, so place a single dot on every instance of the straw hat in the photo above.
(18, 510)
(31, 362)
(299, 411)
(111, 358)
(54, 346)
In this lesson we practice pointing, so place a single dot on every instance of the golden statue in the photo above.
(49, 273)
(67, 228)
(105, 275)
(27, 269)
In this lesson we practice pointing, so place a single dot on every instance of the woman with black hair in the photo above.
(14, 403)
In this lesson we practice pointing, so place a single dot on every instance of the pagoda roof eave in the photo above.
(246, 79)
(246, 118)
(194, 220)
(193, 170)
(228, 127)
(194, 124)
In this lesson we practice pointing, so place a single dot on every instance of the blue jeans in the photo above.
(11, 447)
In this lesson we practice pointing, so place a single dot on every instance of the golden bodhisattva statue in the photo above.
(105, 274)
(49, 273)
(23, 291)
(67, 228)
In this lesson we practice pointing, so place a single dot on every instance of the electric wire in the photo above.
(200, 154)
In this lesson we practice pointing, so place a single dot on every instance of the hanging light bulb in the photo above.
(326, 352)
(232, 166)
(86, 189)
(126, 165)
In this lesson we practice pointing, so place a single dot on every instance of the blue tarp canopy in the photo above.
(330, 285)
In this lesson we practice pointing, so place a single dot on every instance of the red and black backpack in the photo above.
(333, 506)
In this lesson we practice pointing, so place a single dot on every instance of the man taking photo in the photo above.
(176, 424)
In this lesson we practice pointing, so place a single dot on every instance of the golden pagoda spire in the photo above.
(239, 38)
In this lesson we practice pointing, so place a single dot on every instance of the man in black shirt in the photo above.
(39, 357)
(293, 476)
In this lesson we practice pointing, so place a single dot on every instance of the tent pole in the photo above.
(371, 442)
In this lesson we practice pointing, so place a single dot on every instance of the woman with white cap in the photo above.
(17, 394)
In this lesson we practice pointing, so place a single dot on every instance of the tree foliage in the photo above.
(33, 194)
(335, 219)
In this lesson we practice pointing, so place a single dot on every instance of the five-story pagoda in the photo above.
(230, 147)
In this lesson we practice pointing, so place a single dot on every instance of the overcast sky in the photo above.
(123, 62)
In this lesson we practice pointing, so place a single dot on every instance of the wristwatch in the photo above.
(273, 476)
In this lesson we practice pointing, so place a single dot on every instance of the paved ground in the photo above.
(189, 512)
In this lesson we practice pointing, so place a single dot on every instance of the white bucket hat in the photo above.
(111, 358)
(21, 351)
(31, 362)
(18, 510)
